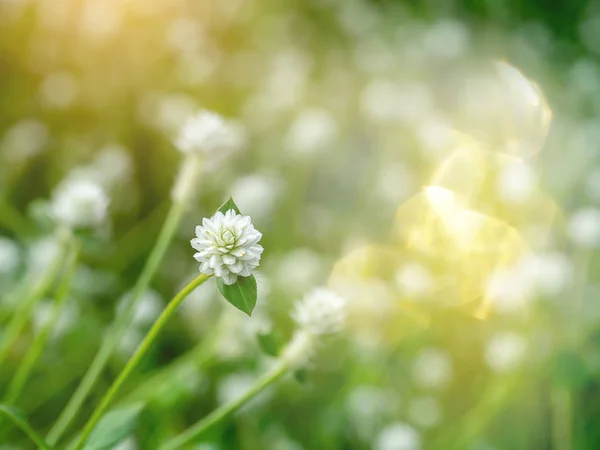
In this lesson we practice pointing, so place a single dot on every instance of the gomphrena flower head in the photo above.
(79, 203)
(320, 312)
(227, 246)
(207, 133)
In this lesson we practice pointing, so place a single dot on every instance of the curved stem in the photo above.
(113, 337)
(28, 304)
(228, 409)
(36, 348)
(196, 359)
(20, 421)
(136, 358)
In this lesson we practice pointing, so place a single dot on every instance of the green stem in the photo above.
(228, 409)
(36, 348)
(562, 435)
(120, 325)
(136, 358)
(195, 359)
(28, 304)
(22, 423)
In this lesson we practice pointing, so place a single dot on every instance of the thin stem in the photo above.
(196, 358)
(562, 435)
(136, 358)
(20, 421)
(119, 326)
(18, 381)
(228, 409)
(28, 304)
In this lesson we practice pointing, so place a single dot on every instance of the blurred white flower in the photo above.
(367, 407)
(510, 289)
(67, 317)
(425, 412)
(227, 246)
(24, 139)
(432, 368)
(387, 101)
(398, 436)
(314, 130)
(257, 194)
(185, 34)
(100, 19)
(59, 90)
(414, 280)
(79, 203)
(207, 133)
(550, 272)
(10, 256)
(167, 111)
(146, 309)
(435, 136)
(583, 228)
(505, 351)
(130, 342)
(516, 183)
(446, 39)
(320, 312)
(42, 253)
(113, 164)
(394, 183)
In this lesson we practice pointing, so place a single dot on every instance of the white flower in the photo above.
(227, 246)
(79, 203)
(10, 256)
(320, 312)
(583, 228)
(398, 436)
(432, 368)
(209, 134)
(505, 351)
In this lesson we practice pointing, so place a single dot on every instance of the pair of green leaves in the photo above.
(243, 293)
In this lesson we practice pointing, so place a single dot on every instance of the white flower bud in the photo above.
(227, 246)
(209, 134)
(79, 203)
(320, 312)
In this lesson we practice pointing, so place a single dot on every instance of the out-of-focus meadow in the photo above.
(435, 164)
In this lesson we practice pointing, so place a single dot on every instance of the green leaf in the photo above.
(113, 428)
(241, 294)
(270, 343)
(19, 419)
(229, 204)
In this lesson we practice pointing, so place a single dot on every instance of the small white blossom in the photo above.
(10, 256)
(209, 134)
(505, 351)
(79, 203)
(398, 436)
(227, 246)
(583, 228)
(320, 312)
(432, 368)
